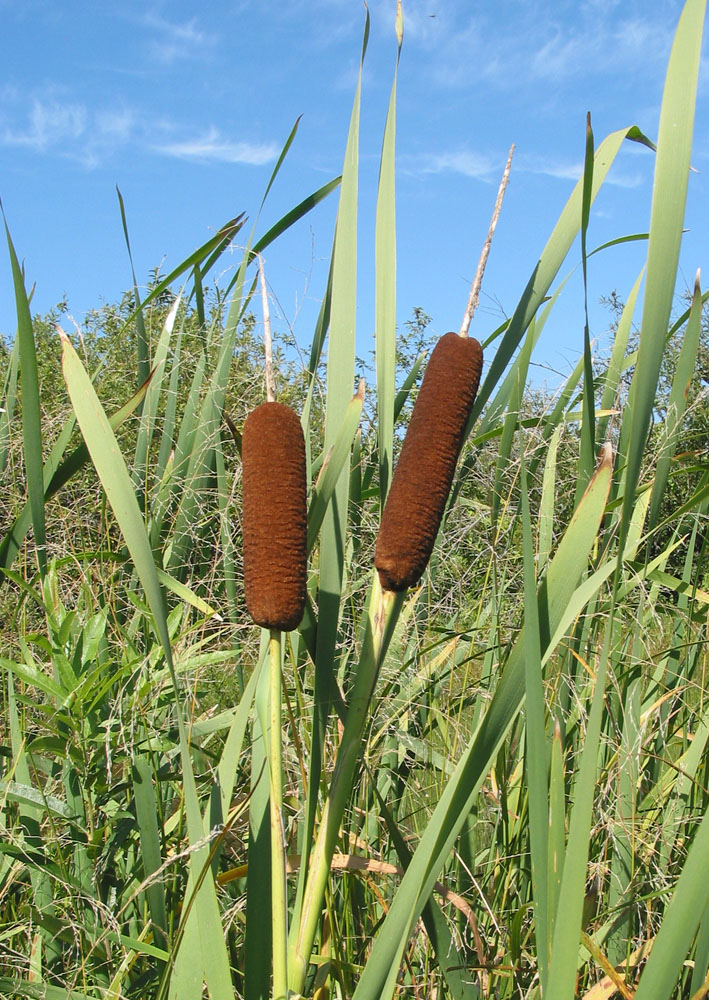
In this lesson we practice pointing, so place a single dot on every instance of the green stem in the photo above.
(279, 895)
(384, 609)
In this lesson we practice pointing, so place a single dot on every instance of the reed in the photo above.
(490, 787)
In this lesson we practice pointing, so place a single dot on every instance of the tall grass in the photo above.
(494, 784)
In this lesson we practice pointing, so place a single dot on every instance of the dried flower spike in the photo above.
(274, 516)
(424, 473)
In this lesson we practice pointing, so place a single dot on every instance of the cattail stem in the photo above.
(279, 894)
(267, 338)
(482, 263)
(383, 614)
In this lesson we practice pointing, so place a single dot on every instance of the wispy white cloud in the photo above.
(117, 125)
(567, 51)
(174, 41)
(48, 123)
(621, 179)
(561, 171)
(462, 161)
(54, 125)
(599, 8)
(572, 171)
(488, 168)
(556, 58)
(457, 48)
(462, 47)
(212, 145)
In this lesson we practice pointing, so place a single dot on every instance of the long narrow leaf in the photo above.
(31, 415)
(674, 147)
(385, 278)
(340, 379)
(677, 405)
(686, 908)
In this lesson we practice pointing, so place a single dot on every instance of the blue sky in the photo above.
(187, 108)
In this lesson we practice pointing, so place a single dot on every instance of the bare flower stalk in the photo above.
(267, 338)
(474, 296)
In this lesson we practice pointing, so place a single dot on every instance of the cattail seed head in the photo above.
(274, 524)
(424, 473)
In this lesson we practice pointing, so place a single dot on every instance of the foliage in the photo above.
(493, 785)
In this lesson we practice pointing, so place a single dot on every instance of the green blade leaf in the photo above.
(536, 750)
(674, 148)
(340, 379)
(31, 415)
(385, 308)
(56, 475)
(677, 405)
(551, 259)
(333, 465)
(688, 904)
(143, 343)
(147, 816)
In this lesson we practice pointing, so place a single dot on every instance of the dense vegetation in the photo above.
(501, 775)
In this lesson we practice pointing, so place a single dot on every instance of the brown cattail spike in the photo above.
(426, 466)
(274, 524)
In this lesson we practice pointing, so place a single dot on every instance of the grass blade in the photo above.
(688, 904)
(293, 216)
(31, 414)
(551, 259)
(616, 364)
(340, 379)
(150, 406)
(147, 815)
(385, 278)
(219, 241)
(546, 505)
(143, 344)
(678, 401)
(674, 147)
(7, 409)
(56, 475)
(588, 435)
(333, 465)
(569, 914)
(535, 744)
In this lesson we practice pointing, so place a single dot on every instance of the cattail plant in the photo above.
(410, 522)
(429, 454)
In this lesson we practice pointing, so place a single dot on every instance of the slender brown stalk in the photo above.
(474, 296)
(267, 338)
